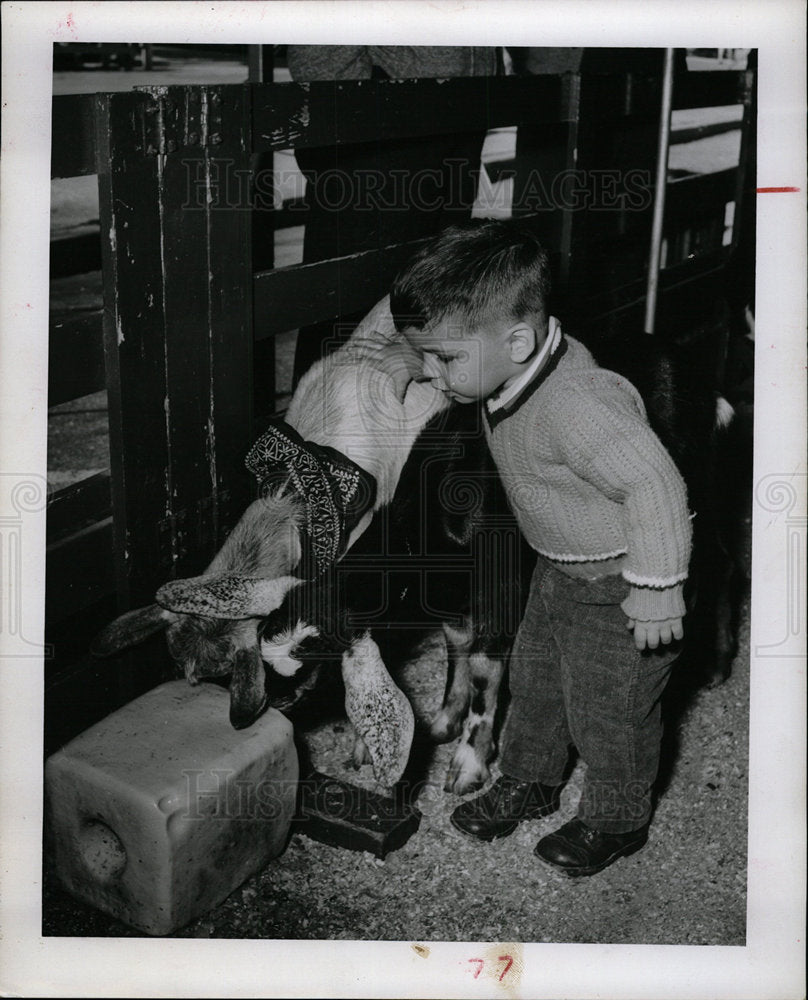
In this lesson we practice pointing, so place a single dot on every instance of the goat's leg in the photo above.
(469, 767)
(447, 724)
(710, 638)
(723, 639)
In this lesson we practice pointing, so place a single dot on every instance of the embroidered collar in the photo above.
(335, 491)
(505, 402)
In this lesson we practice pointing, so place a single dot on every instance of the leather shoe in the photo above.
(497, 812)
(577, 849)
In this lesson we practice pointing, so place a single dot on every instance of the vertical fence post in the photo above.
(743, 225)
(659, 192)
(174, 180)
(607, 200)
(263, 238)
(260, 63)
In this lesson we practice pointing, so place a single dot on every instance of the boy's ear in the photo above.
(522, 342)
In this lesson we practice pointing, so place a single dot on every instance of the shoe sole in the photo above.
(539, 814)
(580, 872)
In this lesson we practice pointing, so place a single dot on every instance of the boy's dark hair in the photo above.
(481, 271)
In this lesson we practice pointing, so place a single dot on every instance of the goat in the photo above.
(446, 552)
(212, 620)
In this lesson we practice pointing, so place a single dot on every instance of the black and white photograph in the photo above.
(403, 484)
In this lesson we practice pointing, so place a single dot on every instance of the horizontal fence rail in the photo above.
(301, 115)
(289, 297)
(294, 116)
(711, 89)
(75, 356)
(79, 505)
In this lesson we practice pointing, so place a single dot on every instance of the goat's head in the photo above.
(211, 621)
(212, 629)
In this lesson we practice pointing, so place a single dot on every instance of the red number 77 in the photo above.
(479, 962)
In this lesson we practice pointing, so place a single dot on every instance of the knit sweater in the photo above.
(591, 485)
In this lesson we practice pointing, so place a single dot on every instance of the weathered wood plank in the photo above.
(308, 293)
(693, 280)
(292, 213)
(75, 255)
(328, 289)
(75, 357)
(178, 327)
(134, 342)
(295, 115)
(709, 89)
(230, 335)
(188, 277)
(704, 131)
(693, 197)
(79, 570)
(78, 506)
(81, 689)
(356, 111)
(73, 135)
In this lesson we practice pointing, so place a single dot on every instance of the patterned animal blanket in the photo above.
(335, 491)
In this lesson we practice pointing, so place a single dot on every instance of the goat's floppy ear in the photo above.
(226, 596)
(129, 629)
(248, 695)
(379, 711)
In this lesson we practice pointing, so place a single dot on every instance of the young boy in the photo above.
(601, 502)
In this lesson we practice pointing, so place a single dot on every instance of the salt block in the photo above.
(157, 813)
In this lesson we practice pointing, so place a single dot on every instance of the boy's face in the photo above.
(467, 365)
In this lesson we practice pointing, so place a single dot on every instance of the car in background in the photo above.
(92, 55)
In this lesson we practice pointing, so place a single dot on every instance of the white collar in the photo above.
(549, 346)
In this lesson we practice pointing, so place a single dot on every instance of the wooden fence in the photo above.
(184, 315)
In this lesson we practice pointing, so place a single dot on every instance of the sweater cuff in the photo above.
(646, 604)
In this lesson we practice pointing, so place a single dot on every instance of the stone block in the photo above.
(158, 812)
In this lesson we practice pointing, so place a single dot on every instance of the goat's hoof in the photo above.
(467, 773)
(716, 677)
(443, 728)
(716, 669)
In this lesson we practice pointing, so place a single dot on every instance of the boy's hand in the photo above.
(650, 634)
(395, 358)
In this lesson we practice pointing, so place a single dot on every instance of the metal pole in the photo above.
(659, 192)
(255, 64)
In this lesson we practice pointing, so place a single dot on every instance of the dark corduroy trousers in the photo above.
(576, 678)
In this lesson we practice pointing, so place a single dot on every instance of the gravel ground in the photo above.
(688, 886)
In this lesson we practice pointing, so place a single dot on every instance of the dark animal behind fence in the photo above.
(679, 375)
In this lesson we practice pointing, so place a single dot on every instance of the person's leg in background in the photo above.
(369, 196)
